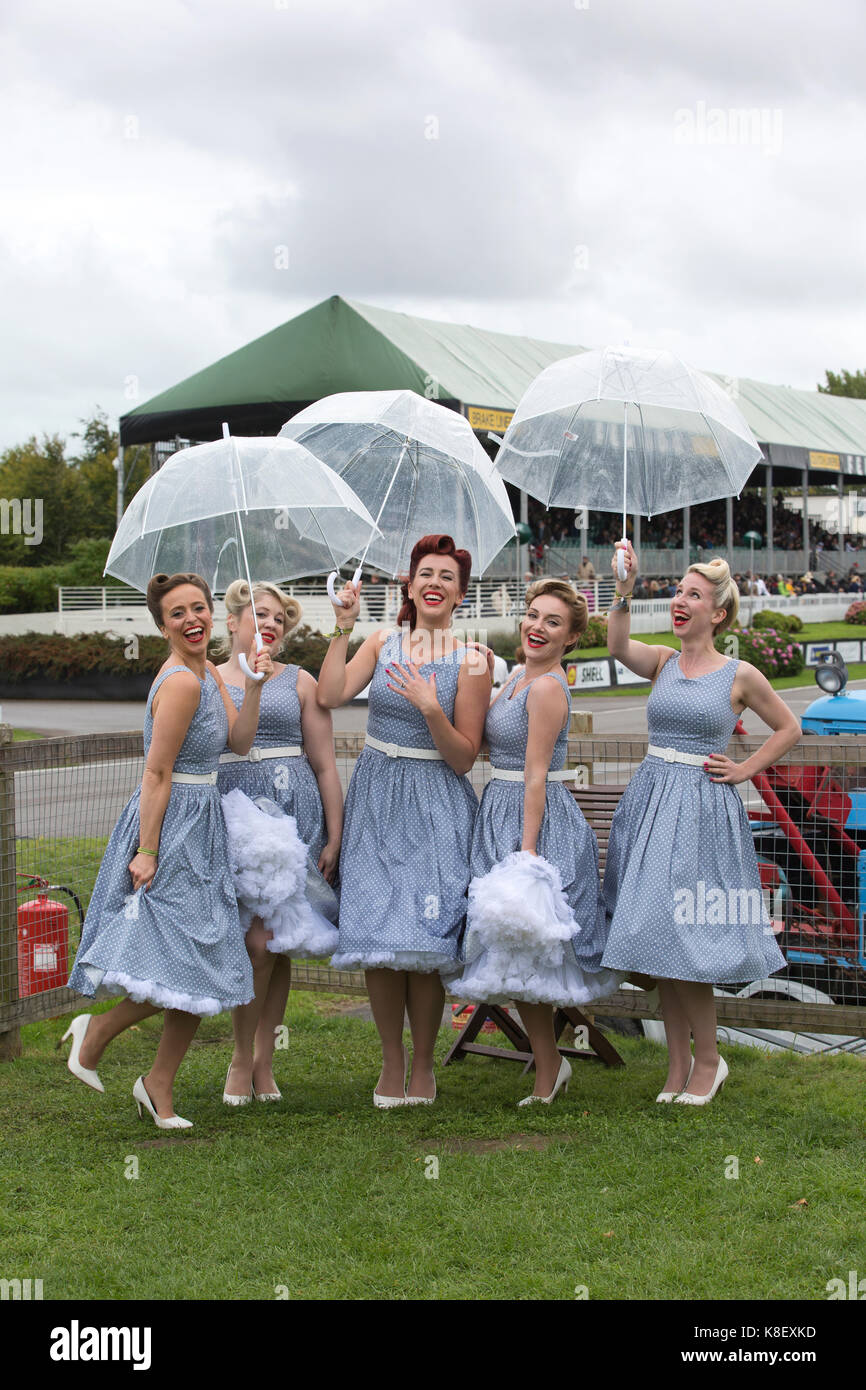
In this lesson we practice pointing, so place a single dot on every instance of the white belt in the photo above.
(394, 750)
(256, 755)
(204, 779)
(673, 755)
(507, 774)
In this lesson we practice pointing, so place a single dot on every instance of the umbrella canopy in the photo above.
(261, 507)
(417, 467)
(627, 429)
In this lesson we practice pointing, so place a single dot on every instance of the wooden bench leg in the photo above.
(601, 1046)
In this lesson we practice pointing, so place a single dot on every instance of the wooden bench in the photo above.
(598, 803)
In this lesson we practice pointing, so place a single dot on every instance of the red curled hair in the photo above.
(432, 545)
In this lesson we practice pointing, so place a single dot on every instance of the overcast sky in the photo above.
(581, 171)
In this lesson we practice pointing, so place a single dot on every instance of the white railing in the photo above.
(494, 604)
(485, 598)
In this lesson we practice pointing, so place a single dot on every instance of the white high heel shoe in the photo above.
(77, 1030)
(563, 1077)
(685, 1098)
(423, 1100)
(665, 1097)
(141, 1098)
(229, 1099)
(391, 1102)
(267, 1095)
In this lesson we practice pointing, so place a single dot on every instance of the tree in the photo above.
(95, 466)
(38, 475)
(845, 384)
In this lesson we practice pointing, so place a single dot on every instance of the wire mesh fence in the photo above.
(60, 799)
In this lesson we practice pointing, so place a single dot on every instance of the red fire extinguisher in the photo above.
(43, 938)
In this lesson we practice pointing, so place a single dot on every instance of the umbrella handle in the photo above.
(332, 592)
(621, 570)
(245, 665)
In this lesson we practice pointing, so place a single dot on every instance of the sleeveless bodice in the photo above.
(206, 735)
(507, 727)
(692, 715)
(279, 711)
(391, 718)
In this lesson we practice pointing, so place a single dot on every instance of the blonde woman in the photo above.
(293, 765)
(536, 927)
(681, 884)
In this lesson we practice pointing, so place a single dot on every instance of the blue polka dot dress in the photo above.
(681, 884)
(179, 943)
(289, 782)
(561, 962)
(404, 865)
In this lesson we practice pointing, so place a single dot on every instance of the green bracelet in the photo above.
(142, 850)
(340, 632)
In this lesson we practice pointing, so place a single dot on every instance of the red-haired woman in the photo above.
(410, 809)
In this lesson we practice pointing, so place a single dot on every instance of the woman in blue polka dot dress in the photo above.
(681, 886)
(536, 928)
(404, 865)
(292, 763)
(163, 926)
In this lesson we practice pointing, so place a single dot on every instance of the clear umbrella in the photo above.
(627, 429)
(417, 466)
(261, 506)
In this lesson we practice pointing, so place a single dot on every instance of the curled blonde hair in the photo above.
(725, 592)
(574, 602)
(238, 598)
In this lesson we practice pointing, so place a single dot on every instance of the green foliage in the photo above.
(98, 477)
(307, 649)
(857, 612)
(29, 589)
(40, 472)
(78, 494)
(779, 622)
(595, 635)
(772, 652)
(845, 384)
(54, 656)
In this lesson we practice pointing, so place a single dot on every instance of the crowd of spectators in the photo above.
(707, 528)
(767, 585)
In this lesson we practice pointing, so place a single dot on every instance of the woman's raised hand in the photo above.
(625, 586)
(348, 602)
(260, 662)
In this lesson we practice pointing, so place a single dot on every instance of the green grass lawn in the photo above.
(24, 735)
(330, 1199)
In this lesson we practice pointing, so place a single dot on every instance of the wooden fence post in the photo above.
(580, 726)
(10, 1038)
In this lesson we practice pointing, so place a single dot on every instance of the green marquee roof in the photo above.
(341, 345)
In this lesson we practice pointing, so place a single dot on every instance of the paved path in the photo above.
(618, 716)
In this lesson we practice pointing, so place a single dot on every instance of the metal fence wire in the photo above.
(60, 799)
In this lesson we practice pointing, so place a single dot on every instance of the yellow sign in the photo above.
(481, 419)
(830, 461)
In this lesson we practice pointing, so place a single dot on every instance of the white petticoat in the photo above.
(112, 982)
(269, 864)
(519, 930)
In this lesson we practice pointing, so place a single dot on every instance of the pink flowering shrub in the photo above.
(772, 652)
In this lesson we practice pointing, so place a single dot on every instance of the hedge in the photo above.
(54, 656)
